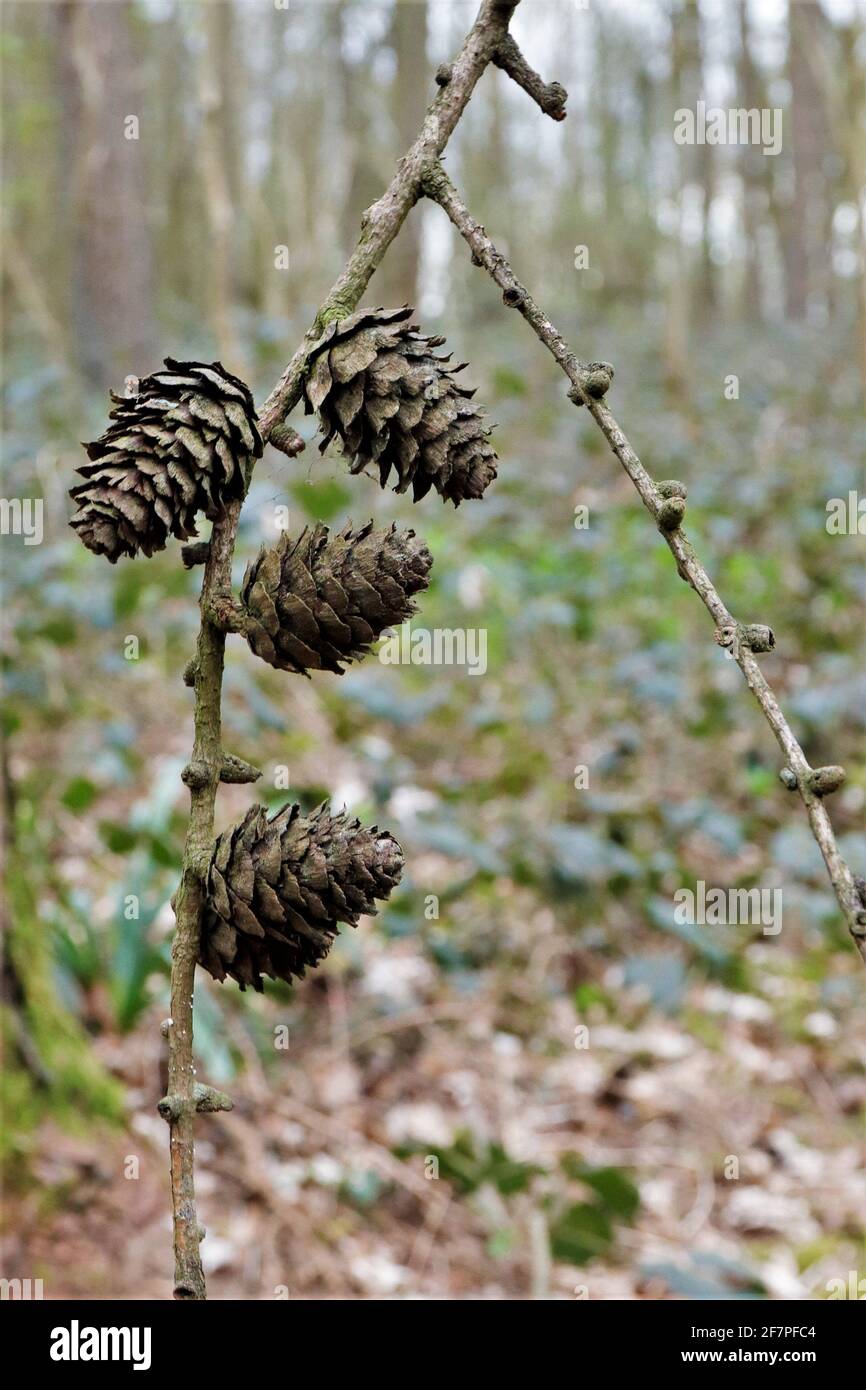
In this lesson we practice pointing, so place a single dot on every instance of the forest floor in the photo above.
(746, 1148)
(703, 1137)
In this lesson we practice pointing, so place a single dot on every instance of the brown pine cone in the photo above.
(180, 444)
(377, 384)
(316, 602)
(278, 888)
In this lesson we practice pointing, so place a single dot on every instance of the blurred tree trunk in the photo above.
(105, 182)
(610, 122)
(178, 202)
(410, 95)
(292, 191)
(216, 158)
(706, 170)
(285, 187)
(363, 175)
(684, 91)
(852, 136)
(807, 121)
(751, 161)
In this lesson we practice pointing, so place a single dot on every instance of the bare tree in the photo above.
(112, 274)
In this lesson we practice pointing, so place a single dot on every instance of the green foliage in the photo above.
(468, 1166)
(579, 1231)
(49, 1065)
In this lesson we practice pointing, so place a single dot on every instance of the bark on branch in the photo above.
(742, 640)
(551, 97)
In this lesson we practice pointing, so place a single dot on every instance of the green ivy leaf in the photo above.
(581, 1233)
(79, 794)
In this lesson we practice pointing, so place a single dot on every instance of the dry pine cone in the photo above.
(277, 889)
(316, 602)
(378, 384)
(180, 444)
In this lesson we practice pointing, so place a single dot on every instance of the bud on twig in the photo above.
(595, 380)
(671, 487)
(671, 513)
(237, 770)
(208, 1100)
(825, 780)
(287, 440)
(757, 637)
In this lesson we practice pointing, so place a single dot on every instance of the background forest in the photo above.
(531, 907)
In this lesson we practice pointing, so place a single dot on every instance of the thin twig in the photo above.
(207, 757)
(584, 379)
(550, 96)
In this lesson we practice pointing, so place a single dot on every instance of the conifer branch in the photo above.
(219, 615)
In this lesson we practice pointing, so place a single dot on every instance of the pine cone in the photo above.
(277, 889)
(377, 384)
(314, 603)
(180, 444)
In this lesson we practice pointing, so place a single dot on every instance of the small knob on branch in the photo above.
(825, 780)
(238, 770)
(287, 440)
(670, 514)
(597, 379)
(757, 637)
(195, 775)
(208, 1100)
